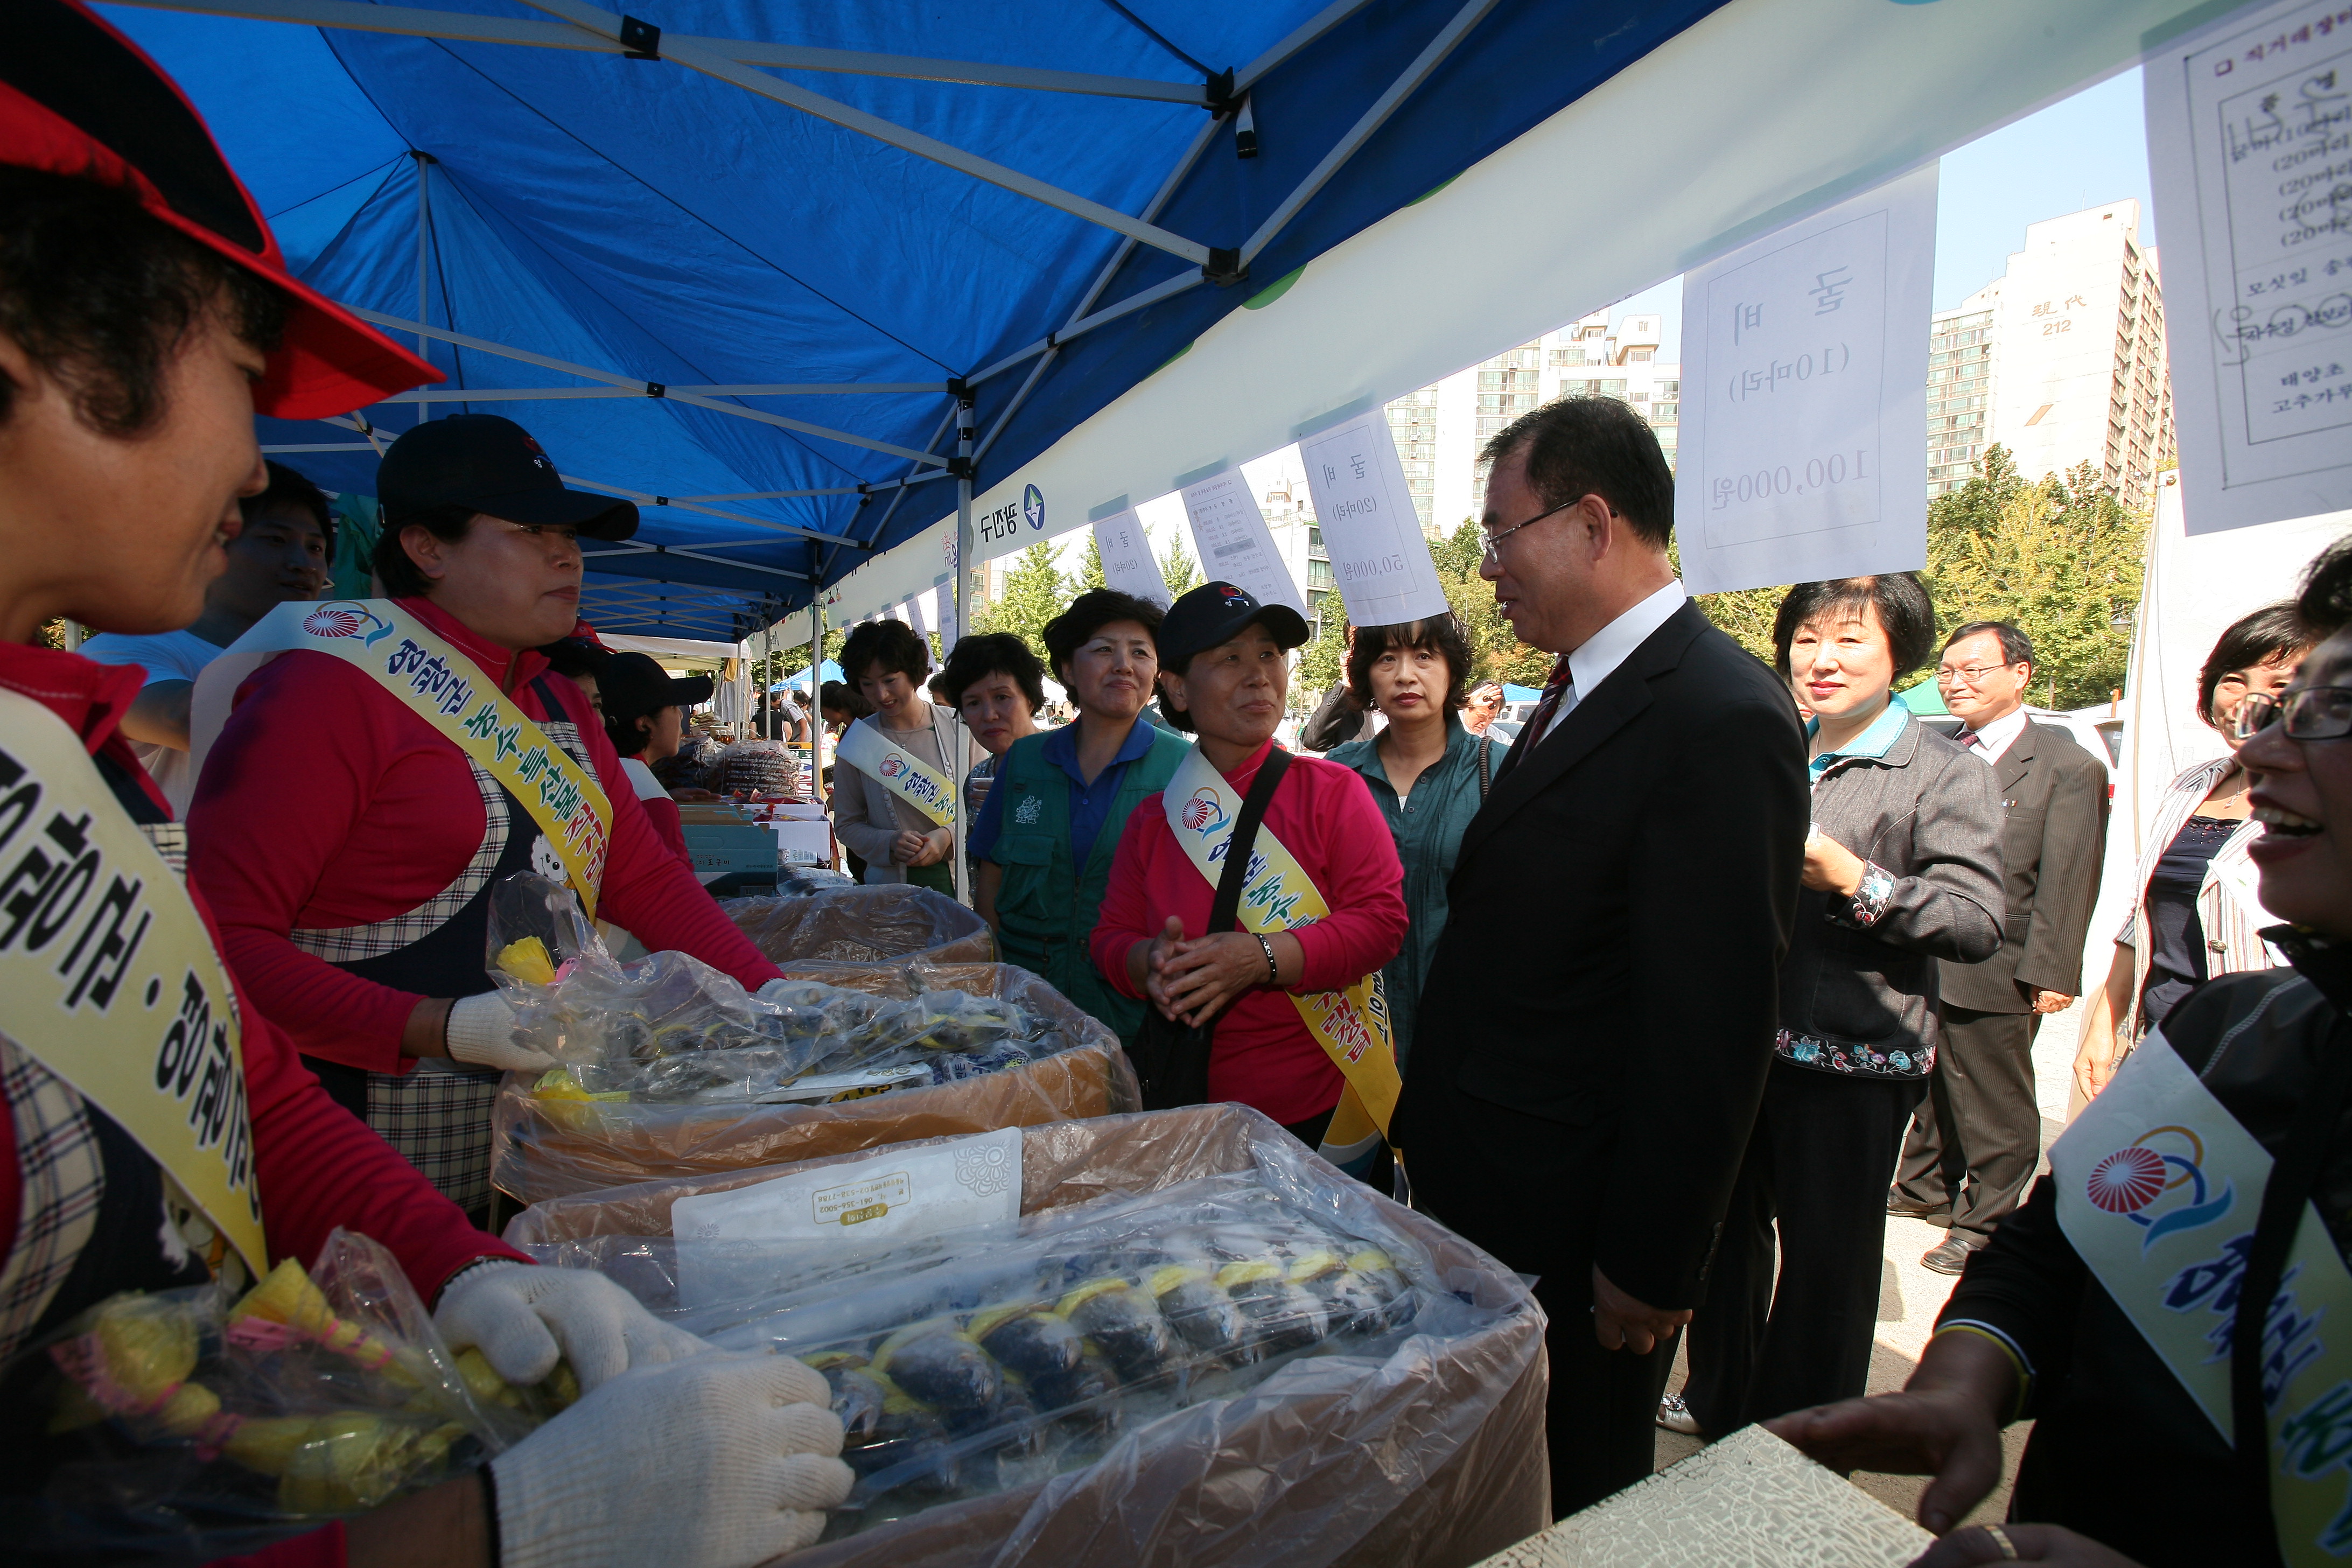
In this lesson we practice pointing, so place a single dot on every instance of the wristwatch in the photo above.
(1273, 974)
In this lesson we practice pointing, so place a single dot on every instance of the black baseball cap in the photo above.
(632, 684)
(490, 464)
(1215, 613)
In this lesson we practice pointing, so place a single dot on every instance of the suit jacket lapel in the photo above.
(1597, 715)
(2016, 762)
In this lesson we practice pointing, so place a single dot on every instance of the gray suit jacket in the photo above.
(2053, 796)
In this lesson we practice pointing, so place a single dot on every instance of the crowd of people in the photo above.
(1666, 1000)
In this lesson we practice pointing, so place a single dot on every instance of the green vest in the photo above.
(1045, 910)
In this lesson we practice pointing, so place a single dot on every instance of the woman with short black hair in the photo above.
(1051, 826)
(998, 687)
(2198, 913)
(1903, 869)
(898, 770)
(1427, 773)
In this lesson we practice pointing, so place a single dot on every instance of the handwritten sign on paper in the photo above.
(2248, 131)
(1370, 530)
(949, 628)
(1233, 542)
(1128, 562)
(1804, 408)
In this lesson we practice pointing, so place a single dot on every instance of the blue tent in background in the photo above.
(1521, 693)
(744, 263)
(827, 671)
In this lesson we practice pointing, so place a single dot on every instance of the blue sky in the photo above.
(2082, 150)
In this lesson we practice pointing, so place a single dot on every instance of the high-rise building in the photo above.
(2061, 359)
(1444, 427)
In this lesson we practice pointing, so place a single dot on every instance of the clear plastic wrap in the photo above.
(863, 925)
(669, 1068)
(203, 1422)
(1200, 1344)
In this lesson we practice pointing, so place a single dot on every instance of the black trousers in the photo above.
(1510, 1183)
(1818, 1163)
(1975, 1141)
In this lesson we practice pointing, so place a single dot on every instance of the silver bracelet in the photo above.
(1273, 974)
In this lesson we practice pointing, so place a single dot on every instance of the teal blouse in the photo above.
(1427, 827)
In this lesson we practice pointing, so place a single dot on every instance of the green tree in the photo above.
(1090, 573)
(1495, 652)
(1177, 567)
(1322, 663)
(1036, 591)
(2061, 559)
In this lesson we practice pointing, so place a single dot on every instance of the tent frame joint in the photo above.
(640, 41)
(1225, 266)
(656, 389)
(959, 467)
(1218, 97)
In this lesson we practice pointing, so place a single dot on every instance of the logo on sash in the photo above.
(346, 620)
(1202, 814)
(893, 765)
(2134, 1178)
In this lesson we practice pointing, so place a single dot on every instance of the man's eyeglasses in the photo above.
(2313, 713)
(1972, 675)
(1493, 557)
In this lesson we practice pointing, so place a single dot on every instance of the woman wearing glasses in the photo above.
(2167, 1308)
(2198, 914)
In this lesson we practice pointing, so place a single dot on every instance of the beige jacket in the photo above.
(867, 816)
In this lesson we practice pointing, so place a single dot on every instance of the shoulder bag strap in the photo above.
(1244, 842)
(1485, 765)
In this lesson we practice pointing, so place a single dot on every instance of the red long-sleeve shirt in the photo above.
(1264, 1056)
(327, 802)
(315, 1165)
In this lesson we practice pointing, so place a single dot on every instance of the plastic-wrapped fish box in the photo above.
(863, 925)
(668, 1067)
(1172, 1337)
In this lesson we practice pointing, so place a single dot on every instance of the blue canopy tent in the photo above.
(803, 278)
(826, 671)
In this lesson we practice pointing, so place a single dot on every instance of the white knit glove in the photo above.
(723, 1461)
(522, 1318)
(481, 1031)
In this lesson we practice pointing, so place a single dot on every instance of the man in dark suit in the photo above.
(1976, 1138)
(1631, 878)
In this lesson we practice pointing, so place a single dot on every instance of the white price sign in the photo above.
(1128, 562)
(1805, 410)
(2247, 137)
(1235, 546)
(949, 628)
(1369, 528)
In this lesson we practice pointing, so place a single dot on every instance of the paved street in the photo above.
(1910, 1296)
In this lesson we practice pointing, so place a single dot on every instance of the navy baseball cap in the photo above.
(634, 684)
(490, 464)
(1214, 613)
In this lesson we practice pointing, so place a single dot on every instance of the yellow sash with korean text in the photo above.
(109, 978)
(1351, 1025)
(2158, 1190)
(865, 747)
(447, 690)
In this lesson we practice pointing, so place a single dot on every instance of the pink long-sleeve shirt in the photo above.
(1264, 1055)
(327, 803)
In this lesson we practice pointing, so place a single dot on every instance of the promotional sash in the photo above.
(445, 688)
(1351, 1025)
(865, 747)
(108, 976)
(2159, 1189)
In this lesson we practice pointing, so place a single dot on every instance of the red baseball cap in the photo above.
(78, 98)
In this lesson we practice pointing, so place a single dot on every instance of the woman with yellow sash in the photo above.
(376, 782)
(896, 804)
(145, 316)
(1301, 1027)
(2172, 1308)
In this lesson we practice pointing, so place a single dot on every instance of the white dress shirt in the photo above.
(1994, 737)
(1612, 645)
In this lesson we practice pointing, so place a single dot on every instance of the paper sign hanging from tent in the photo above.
(1128, 562)
(1234, 544)
(951, 629)
(911, 612)
(1370, 530)
(1805, 405)
(2246, 137)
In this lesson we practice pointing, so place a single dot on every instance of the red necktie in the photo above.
(1558, 686)
(1971, 740)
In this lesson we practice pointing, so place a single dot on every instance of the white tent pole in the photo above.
(963, 625)
(1314, 28)
(423, 257)
(1372, 120)
(631, 547)
(417, 23)
(790, 528)
(816, 695)
(637, 389)
(647, 388)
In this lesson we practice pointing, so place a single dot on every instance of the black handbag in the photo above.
(1171, 1059)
